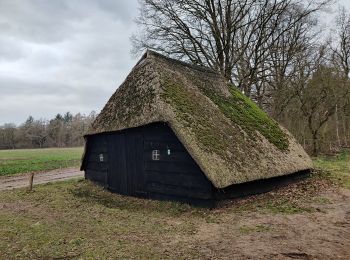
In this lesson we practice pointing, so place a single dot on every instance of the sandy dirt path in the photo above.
(323, 233)
(22, 180)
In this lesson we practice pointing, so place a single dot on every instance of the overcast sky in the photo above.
(63, 55)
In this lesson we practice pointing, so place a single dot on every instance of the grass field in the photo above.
(336, 167)
(79, 220)
(35, 160)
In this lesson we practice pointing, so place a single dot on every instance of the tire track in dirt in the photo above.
(22, 180)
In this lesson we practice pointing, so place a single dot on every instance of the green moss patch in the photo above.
(211, 130)
(244, 112)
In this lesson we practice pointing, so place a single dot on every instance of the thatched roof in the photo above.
(231, 139)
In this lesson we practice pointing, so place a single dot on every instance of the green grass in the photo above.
(35, 160)
(335, 168)
(251, 229)
(322, 200)
(286, 207)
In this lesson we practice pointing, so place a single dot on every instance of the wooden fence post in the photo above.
(31, 178)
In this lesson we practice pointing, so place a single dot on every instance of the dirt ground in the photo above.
(322, 233)
(22, 180)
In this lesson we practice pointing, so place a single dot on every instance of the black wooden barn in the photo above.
(163, 135)
(146, 161)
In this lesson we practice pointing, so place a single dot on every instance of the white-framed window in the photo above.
(101, 157)
(168, 152)
(155, 155)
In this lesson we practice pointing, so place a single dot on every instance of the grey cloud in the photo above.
(47, 103)
(36, 21)
(53, 21)
(15, 87)
(10, 49)
(57, 56)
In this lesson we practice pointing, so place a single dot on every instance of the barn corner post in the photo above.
(31, 179)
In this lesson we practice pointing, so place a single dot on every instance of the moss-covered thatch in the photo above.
(231, 139)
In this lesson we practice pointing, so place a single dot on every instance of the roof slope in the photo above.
(231, 139)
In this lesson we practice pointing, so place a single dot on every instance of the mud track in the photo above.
(22, 180)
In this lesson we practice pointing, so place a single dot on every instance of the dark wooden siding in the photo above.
(175, 174)
(117, 175)
(133, 149)
(131, 169)
(95, 169)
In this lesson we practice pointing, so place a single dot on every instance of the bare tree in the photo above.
(37, 133)
(67, 130)
(233, 37)
(8, 136)
(319, 99)
(341, 60)
(341, 51)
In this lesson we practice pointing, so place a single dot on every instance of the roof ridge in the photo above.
(151, 53)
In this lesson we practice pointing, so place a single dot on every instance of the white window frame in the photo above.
(156, 155)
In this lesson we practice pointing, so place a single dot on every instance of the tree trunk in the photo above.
(337, 126)
(314, 144)
(345, 132)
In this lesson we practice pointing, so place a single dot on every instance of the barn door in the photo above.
(117, 174)
(136, 178)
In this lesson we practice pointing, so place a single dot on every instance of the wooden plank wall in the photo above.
(117, 174)
(96, 170)
(176, 174)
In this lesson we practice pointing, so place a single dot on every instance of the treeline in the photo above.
(62, 131)
(274, 51)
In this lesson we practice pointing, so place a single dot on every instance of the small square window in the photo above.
(155, 155)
